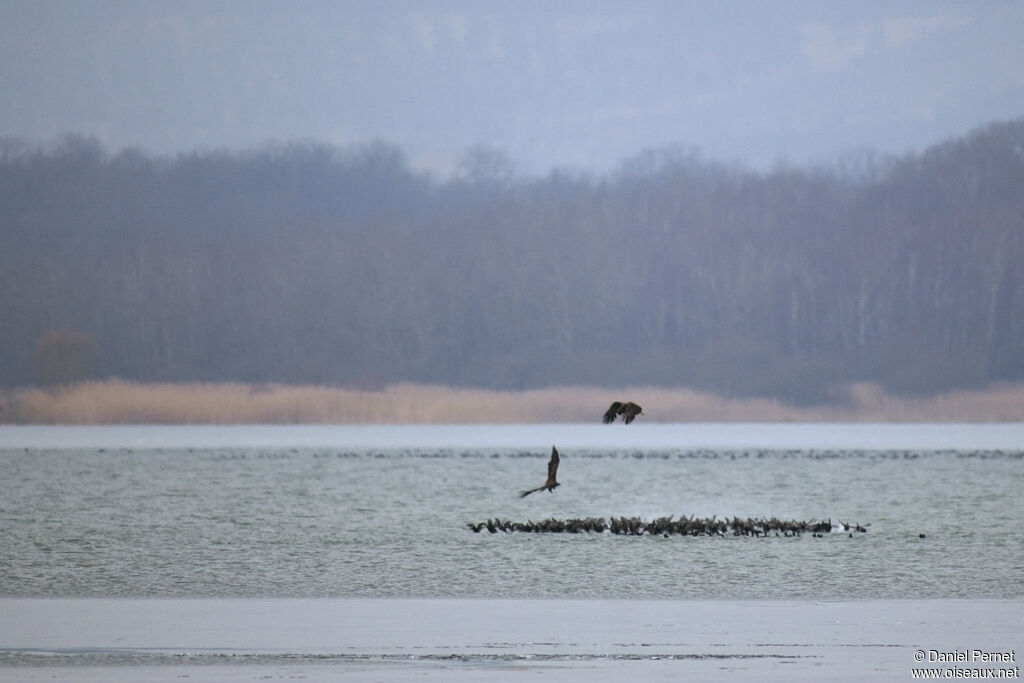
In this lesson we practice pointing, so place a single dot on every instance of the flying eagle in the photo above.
(551, 483)
(627, 410)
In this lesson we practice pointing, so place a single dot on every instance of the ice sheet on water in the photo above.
(489, 640)
(640, 437)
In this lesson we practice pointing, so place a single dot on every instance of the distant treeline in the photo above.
(311, 264)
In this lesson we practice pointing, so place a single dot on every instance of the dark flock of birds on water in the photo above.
(667, 526)
(662, 526)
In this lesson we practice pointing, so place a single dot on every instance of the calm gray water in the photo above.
(387, 518)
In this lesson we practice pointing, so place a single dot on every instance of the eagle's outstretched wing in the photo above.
(552, 468)
(613, 411)
(552, 482)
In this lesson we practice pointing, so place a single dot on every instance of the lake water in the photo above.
(378, 515)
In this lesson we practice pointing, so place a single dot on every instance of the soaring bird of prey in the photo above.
(627, 410)
(551, 483)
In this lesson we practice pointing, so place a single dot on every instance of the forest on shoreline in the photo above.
(310, 265)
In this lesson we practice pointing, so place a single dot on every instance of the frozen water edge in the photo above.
(490, 640)
(921, 436)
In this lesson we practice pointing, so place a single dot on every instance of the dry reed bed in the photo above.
(120, 402)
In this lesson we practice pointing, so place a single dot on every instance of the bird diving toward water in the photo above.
(627, 410)
(551, 483)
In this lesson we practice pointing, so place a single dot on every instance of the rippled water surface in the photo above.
(348, 516)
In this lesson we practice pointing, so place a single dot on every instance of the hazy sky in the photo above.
(555, 84)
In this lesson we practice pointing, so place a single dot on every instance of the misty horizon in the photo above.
(573, 86)
(484, 161)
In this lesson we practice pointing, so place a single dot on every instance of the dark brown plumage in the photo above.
(628, 410)
(613, 411)
(551, 483)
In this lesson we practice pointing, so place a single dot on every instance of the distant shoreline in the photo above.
(121, 402)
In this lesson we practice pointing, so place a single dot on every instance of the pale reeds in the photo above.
(121, 402)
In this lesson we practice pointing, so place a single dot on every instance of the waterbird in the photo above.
(687, 526)
(551, 483)
(627, 409)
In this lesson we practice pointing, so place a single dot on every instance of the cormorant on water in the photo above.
(551, 483)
